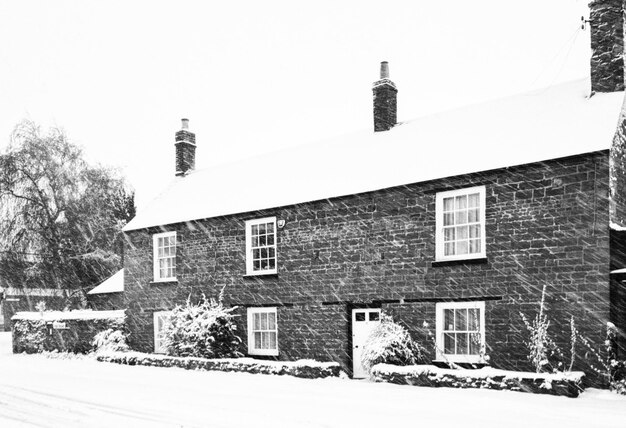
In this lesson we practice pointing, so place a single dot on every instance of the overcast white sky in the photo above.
(254, 76)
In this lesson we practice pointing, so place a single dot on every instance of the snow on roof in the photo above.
(82, 314)
(114, 284)
(622, 270)
(555, 122)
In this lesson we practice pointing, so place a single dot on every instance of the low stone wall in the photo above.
(565, 384)
(71, 331)
(309, 369)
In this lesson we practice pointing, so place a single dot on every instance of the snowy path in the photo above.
(40, 392)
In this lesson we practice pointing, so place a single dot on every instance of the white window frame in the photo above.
(440, 348)
(439, 234)
(155, 256)
(158, 346)
(249, 259)
(252, 350)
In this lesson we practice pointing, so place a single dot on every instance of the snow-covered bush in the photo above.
(203, 330)
(309, 369)
(617, 368)
(390, 343)
(542, 349)
(32, 336)
(610, 369)
(566, 384)
(110, 340)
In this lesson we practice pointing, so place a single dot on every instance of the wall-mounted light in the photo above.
(280, 223)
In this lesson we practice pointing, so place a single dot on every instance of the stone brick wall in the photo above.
(607, 45)
(546, 223)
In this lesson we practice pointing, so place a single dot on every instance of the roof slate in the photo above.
(555, 122)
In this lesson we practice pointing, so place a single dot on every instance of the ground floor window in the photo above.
(460, 331)
(262, 331)
(161, 319)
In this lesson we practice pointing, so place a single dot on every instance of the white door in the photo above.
(363, 322)
(160, 321)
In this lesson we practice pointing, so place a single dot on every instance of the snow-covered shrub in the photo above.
(110, 340)
(566, 384)
(203, 330)
(611, 370)
(573, 341)
(309, 369)
(390, 343)
(542, 348)
(32, 336)
(617, 368)
(41, 306)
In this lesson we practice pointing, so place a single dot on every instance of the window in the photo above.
(261, 246)
(460, 224)
(161, 319)
(460, 331)
(164, 245)
(262, 331)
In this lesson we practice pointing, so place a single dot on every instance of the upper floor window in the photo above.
(461, 331)
(460, 224)
(261, 246)
(164, 245)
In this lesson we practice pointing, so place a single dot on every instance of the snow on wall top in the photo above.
(113, 284)
(82, 314)
(555, 122)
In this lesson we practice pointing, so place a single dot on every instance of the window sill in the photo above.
(463, 363)
(261, 275)
(166, 282)
(473, 261)
(263, 354)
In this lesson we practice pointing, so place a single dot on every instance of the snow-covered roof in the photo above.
(81, 314)
(551, 123)
(114, 284)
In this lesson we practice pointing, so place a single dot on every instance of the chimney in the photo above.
(385, 100)
(606, 21)
(185, 149)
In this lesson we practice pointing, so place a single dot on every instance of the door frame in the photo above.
(351, 310)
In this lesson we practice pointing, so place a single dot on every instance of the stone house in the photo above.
(452, 223)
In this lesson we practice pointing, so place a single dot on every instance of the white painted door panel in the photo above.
(363, 322)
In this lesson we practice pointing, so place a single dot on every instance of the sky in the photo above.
(254, 77)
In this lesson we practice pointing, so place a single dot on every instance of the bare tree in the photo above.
(60, 218)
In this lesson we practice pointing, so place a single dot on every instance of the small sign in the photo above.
(58, 325)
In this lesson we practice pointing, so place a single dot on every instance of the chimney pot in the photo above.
(384, 70)
(185, 124)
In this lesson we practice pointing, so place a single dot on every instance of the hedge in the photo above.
(309, 369)
(63, 331)
(566, 384)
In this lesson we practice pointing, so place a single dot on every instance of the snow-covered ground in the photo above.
(43, 392)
